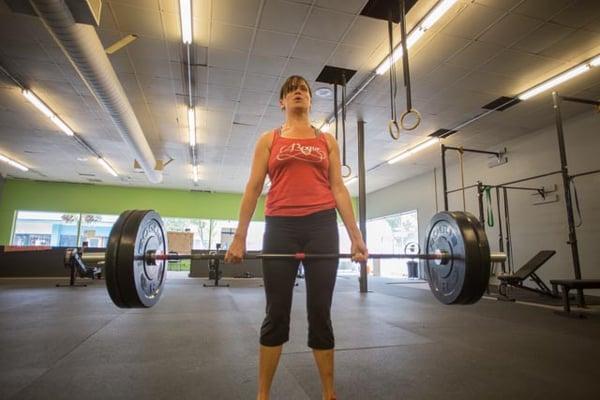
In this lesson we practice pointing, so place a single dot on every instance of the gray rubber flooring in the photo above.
(396, 342)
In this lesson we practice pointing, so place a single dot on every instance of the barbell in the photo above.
(457, 258)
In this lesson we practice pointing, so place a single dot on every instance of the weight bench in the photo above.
(527, 271)
(568, 284)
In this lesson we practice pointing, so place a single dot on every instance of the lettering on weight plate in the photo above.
(301, 152)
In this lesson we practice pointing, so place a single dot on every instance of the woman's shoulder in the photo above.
(329, 138)
(266, 138)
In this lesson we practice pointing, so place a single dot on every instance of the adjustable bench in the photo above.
(528, 271)
(568, 284)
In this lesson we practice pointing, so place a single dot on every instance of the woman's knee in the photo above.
(275, 328)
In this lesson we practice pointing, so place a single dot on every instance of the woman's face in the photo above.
(297, 98)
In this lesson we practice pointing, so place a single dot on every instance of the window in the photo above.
(346, 266)
(391, 234)
(39, 228)
(199, 227)
(221, 232)
(95, 229)
(254, 241)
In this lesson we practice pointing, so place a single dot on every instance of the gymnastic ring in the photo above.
(406, 114)
(348, 169)
(412, 248)
(394, 129)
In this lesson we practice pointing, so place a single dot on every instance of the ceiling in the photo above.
(243, 50)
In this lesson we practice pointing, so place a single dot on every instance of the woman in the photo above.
(304, 167)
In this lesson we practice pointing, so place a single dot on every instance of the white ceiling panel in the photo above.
(472, 21)
(544, 37)
(579, 13)
(283, 16)
(230, 37)
(327, 25)
(236, 12)
(511, 29)
(260, 82)
(228, 59)
(303, 68)
(313, 50)
(366, 32)
(257, 97)
(350, 57)
(348, 6)
(141, 21)
(225, 77)
(273, 43)
(487, 82)
(511, 63)
(474, 54)
(268, 65)
(501, 4)
(144, 48)
(574, 45)
(541, 9)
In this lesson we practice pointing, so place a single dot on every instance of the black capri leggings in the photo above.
(314, 233)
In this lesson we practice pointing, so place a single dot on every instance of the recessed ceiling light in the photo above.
(324, 92)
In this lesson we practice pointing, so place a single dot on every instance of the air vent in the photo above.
(86, 174)
(501, 103)
(94, 180)
(442, 133)
(84, 12)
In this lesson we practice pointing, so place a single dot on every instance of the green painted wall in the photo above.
(82, 198)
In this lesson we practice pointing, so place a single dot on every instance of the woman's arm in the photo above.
(255, 184)
(253, 190)
(342, 198)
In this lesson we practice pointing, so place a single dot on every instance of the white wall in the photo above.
(533, 227)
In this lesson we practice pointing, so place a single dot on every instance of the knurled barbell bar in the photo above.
(457, 259)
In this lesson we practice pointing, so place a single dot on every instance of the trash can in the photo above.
(413, 269)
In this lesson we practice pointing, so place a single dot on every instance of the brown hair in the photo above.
(291, 84)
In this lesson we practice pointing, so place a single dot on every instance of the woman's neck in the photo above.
(297, 120)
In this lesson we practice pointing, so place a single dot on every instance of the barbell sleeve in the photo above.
(497, 257)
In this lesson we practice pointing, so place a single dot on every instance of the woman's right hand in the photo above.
(235, 252)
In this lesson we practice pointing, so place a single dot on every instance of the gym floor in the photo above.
(397, 342)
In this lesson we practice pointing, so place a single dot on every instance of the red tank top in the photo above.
(299, 174)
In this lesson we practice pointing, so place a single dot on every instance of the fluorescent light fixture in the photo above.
(192, 126)
(350, 180)
(63, 127)
(595, 61)
(557, 80)
(430, 19)
(13, 163)
(185, 14)
(436, 13)
(195, 173)
(411, 151)
(107, 167)
(33, 99)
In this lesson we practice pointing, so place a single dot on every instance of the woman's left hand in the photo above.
(359, 250)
